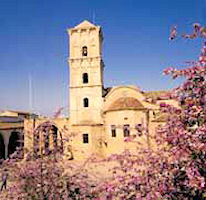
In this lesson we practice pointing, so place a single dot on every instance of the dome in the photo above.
(126, 103)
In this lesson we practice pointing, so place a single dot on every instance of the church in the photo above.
(101, 119)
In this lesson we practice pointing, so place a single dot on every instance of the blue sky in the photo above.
(34, 43)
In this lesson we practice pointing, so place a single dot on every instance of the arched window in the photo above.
(85, 78)
(126, 130)
(139, 129)
(84, 51)
(86, 102)
(113, 129)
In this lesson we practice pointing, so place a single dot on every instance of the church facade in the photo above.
(101, 119)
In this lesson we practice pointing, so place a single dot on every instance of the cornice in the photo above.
(87, 124)
(90, 86)
(131, 109)
(89, 59)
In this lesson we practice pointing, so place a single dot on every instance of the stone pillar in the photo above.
(51, 142)
(6, 135)
(29, 138)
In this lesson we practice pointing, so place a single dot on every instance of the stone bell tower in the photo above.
(86, 74)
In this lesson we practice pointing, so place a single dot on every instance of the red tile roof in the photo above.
(125, 103)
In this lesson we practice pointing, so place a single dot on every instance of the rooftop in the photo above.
(125, 103)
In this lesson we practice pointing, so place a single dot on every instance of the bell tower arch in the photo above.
(86, 73)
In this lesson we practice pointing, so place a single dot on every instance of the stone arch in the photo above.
(15, 142)
(2, 147)
(47, 139)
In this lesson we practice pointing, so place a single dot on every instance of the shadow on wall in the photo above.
(9, 145)
(14, 142)
(2, 147)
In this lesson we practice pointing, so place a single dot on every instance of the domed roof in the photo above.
(126, 103)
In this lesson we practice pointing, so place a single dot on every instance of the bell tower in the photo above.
(86, 74)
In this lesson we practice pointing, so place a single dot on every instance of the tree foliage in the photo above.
(176, 169)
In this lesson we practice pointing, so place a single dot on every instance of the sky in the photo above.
(34, 73)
